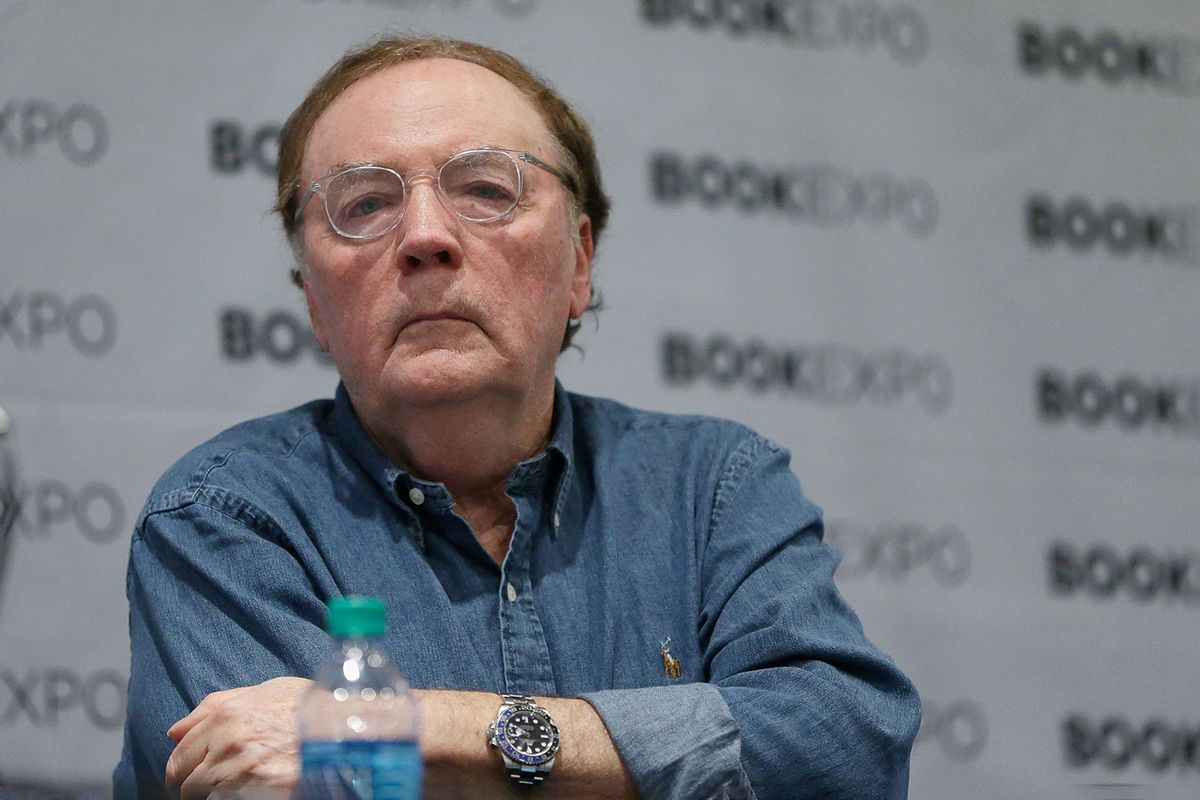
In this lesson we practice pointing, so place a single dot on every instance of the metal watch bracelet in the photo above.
(525, 768)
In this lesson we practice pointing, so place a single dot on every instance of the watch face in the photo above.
(527, 735)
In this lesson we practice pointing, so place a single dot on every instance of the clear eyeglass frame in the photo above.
(319, 188)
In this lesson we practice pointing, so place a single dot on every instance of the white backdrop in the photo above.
(944, 250)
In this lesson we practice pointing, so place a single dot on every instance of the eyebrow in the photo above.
(341, 166)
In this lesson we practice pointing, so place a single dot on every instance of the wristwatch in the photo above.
(526, 737)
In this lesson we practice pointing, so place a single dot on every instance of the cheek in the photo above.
(543, 299)
(350, 303)
(537, 286)
(545, 265)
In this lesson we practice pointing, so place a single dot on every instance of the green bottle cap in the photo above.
(356, 617)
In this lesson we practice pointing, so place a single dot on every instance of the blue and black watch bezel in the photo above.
(510, 750)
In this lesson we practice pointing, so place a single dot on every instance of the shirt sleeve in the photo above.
(216, 600)
(797, 703)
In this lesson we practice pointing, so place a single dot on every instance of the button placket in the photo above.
(526, 657)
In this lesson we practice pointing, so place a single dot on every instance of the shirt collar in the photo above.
(397, 482)
(360, 446)
(562, 440)
(558, 457)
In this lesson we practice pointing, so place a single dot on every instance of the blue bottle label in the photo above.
(360, 770)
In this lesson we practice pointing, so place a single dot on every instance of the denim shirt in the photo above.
(632, 528)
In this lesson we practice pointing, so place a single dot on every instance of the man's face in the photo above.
(442, 310)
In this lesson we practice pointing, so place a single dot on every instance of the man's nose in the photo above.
(428, 230)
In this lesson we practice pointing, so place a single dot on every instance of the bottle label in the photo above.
(360, 770)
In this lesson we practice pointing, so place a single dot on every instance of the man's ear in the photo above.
(581, 287)
(314, 315)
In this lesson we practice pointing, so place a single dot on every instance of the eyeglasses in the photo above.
(481, 185)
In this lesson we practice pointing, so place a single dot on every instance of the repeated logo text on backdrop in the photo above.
(830, 374)
(78, 132)
(29, 319)
(1133, 402)
(1168, 62)
(1117, 228)
(897, 29)
(817, 194)
(280, 335)
(958, 728)
(41, 508)
(1116, 743)
(234, 147)
(1143, 573)
(900, 552)
(53, 696)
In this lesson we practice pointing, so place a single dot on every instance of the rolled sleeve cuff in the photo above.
(678, 742)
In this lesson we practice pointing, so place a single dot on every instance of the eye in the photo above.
(365, 209)
(365, 206)
(358, 198)
(491, 192)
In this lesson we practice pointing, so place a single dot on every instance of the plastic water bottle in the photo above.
(358, 722)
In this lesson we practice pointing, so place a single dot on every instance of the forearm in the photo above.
(679, 742)
(839, 744)
(459, 763)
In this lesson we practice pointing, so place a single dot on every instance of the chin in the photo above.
(435, 379)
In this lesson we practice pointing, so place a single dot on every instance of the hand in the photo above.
(238, 737)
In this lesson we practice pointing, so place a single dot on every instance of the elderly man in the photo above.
(656, 584)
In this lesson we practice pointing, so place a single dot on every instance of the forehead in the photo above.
(423, 111)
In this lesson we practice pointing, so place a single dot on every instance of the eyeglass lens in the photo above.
(480, 186)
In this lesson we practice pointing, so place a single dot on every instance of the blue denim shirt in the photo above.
(632, 528)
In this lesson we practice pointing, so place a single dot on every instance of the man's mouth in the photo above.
(439, 316)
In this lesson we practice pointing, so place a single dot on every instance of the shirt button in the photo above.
(512, 593)
(416, 495)
(557, 521)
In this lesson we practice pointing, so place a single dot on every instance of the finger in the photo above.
(213, 701)
(187, 755)
(201, 783)
(237, 734)
(182, 726)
